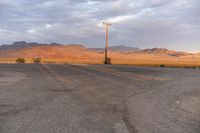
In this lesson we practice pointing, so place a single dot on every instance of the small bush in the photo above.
(162, 65)
(195, 67)
(20, 60)
(37, 60)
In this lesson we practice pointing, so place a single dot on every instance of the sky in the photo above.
(172, 24)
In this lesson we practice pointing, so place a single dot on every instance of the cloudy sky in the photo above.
(173, 24)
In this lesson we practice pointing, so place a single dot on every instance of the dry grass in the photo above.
(158, 63)
(137, 59)
(168, 62)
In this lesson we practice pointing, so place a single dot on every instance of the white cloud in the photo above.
(48, 25)
(32, 31)
(4, 30)
(117, 19)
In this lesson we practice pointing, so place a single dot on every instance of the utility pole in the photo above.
(107, 60)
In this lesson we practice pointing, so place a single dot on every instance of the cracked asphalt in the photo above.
(67, 98)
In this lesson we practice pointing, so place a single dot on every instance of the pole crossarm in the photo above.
(107, 23)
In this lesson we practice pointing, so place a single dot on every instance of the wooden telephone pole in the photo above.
(107, 60)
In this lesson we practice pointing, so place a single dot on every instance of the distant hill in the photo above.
(121, 49)
(17, 45)
(166, 51)
(53, 50)
(22, 44)
(78, 51)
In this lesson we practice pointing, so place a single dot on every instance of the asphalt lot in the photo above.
(66, 98)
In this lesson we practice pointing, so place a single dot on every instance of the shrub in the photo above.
(162, 65)
(195, 67)
(37, 60)
(20, 60)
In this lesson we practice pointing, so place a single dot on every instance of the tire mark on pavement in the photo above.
(94, 98)
(57, 78)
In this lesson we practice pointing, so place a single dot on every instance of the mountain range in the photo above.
(120, 48)
(22, 45)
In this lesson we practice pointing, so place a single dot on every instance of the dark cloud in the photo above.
(173, 24)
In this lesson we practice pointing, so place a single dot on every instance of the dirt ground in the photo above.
(67, 98)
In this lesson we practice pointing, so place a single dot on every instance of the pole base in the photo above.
(107, 61)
